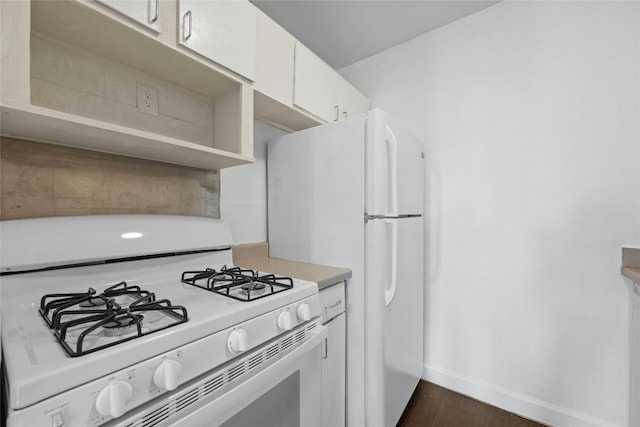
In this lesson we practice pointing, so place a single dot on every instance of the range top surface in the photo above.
(38, 366)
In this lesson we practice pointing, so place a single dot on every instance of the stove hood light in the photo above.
(131, 235)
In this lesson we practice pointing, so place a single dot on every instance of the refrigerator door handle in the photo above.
(392, 145)
(368, 218)
(391, 291)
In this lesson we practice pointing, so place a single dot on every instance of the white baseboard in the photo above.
(517, 403)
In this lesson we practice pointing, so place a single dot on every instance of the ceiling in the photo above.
(344, 32)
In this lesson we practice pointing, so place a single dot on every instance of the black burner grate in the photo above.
(64, 312)
(238, 283)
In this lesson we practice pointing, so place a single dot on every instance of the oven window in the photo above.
(279, 407)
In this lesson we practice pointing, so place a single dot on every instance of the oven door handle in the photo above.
(236, 399)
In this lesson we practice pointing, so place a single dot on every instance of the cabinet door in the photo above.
(352, 101)
(223, 31)
(634, 369)
(145, 12)
(315, 85)
(333, 374)
(274, 68)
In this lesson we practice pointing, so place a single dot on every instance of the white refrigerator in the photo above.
(351, 194)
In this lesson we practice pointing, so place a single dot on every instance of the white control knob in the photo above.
(166, 375)
(113, 399)
(238, 341)
(284, 320)
(304, 312)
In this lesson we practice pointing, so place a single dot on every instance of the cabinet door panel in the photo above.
(352, 101)
(144, 12)
(315, 85)
(634, 372)
(223, 31)
(274, 68)
(333, 375)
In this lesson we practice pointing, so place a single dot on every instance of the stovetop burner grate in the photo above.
(76, 318)
(238, 283)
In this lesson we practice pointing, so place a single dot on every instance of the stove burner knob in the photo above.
(284, 320)
(113, 398)
(238, 341)
(166, 375)
(304, 312)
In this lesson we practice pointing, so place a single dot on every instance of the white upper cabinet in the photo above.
(273, 87)
(275, 51)
(351, 100)
(145, 12)
(222, 31)
(316, 85)
(321, 91)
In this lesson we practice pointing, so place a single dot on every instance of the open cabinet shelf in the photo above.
(45, 125)
(71, 76)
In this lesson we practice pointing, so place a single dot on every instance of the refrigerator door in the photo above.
(394, 168)
(394, 332)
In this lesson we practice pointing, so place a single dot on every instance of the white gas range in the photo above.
(143, 321)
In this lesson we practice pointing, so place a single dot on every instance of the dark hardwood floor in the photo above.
(435, 406)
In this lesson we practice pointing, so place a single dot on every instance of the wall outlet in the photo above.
(147, 99)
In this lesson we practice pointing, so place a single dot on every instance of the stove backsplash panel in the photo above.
(40, 180)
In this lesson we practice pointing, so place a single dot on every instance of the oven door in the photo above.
(282, 391)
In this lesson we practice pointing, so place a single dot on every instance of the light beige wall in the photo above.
(40, 180)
